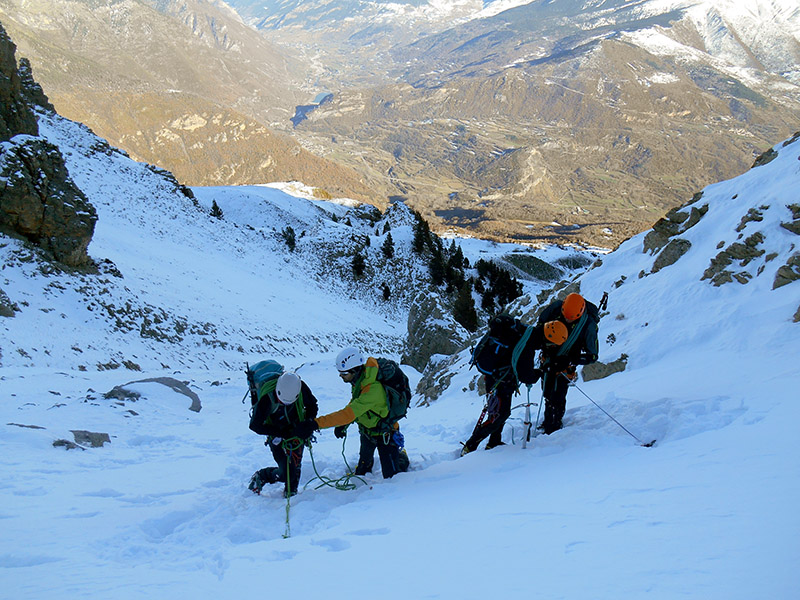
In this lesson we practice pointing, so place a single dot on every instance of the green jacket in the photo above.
(367, 405)
(369, 398)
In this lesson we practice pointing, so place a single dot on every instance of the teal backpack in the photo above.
(262, 378)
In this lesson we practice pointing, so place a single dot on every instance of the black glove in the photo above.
(340, 431)
(305, 429)
(557, 364)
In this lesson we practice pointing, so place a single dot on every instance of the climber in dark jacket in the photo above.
(558, 363)
(293, 403)
(502, 377)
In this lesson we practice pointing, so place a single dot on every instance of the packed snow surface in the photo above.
(162, 509)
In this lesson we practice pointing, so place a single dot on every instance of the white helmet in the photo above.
(349, 358)
(288, 388)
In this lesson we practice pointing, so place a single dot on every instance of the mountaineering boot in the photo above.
(496, 439)
(549, 427)
(263, 477)
(467, 448)
(403, 461)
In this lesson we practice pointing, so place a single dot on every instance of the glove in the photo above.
(558, 364)
(571, 373)
(340, 431)
(305, 429)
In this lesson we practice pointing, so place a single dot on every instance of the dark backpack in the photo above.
(261, 380)
(398, 392)
(506, 350)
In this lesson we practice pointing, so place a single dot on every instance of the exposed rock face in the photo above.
(32, 91)
(431, 330)
(90, 438)
(671, 253)
(675, 222)
(788, 273)
(599, 370)
(124, 393)
(38, 200)
(742, 252)
(7, 307)
(15, 115)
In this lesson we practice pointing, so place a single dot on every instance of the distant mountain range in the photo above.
(598, 116)
(561, 119)
(184, 85)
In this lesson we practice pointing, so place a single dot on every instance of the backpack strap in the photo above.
(519, 348)
(573, 335)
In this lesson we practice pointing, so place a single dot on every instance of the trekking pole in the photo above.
(539, 412)
(641, 443)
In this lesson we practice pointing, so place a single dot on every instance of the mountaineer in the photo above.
(558, 363)
(283, 401)
(505, 356)
(380, 395)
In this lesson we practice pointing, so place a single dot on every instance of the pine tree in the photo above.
(289, 237)
(388, 246)
(487, 301)
(422, 234)
(436, 268)
(216, 211)
(464, 308)
(358, 264)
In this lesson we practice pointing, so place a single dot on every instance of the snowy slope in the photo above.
(165, 253)
(162, 510)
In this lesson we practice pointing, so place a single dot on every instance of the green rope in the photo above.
(288, 532)
(344, 483)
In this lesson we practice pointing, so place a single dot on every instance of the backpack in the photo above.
(262, 378)
(398, 392)
(507, 349)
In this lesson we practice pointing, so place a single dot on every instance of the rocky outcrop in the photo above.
(671, 253)
(599, 370)
(742, 252)
(431, 330)
(16, 115)
(31, 90)
(124, 393)
(38, 200)
(788, 273)
(674, 223)
(794, 224)
(7, 307)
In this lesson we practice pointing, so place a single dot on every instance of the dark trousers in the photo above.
(393, 460)
(498, 409)
(288, 459)
(554, 386)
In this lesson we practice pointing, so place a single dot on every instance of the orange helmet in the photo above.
(573, 306)
(555, 332)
